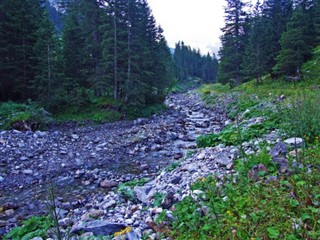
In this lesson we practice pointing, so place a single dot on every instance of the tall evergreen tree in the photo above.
(255, 58)
(276, 13)
(18, 27)
(296, 42)
(232, 50)
(46, 55)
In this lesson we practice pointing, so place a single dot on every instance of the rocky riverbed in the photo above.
(84, 163)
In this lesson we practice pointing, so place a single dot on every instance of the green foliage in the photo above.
(173, 166)
(134, 111)
(31, 114)
(241, 209)
(217, 88)
(33, 227)
(233, 135)
(158, 198)
(303, 116)
(126, 189)
(243, 166)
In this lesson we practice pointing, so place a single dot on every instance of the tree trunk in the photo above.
(115, 94)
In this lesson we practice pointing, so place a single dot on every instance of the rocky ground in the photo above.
(84, 163)
(87, 167)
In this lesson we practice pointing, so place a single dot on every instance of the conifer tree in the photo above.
(295, 41)
(232, 50)
(276, 14)
(19, 23)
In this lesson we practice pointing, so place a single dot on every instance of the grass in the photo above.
(13, 115)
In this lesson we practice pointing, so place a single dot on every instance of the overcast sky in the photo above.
(197, 23)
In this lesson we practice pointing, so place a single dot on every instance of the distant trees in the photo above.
(106, 48)
(190, 63)
(277, 37)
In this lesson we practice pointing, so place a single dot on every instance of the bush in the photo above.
(303, 117)
(33, 227)
(23, 116)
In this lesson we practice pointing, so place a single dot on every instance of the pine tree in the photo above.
(255, 58)
(46, 50)
(19, 23)
(276, 14)
(295, 41)
(232, 50)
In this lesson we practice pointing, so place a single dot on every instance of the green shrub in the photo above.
(106, 116)
(232, 135)
(31, 114)
(303, 116)
(33, 227)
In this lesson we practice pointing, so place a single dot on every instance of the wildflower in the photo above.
(229, 213)
(123, 232)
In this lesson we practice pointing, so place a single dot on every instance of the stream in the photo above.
(85, 162)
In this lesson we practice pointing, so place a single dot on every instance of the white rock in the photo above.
(298, 142)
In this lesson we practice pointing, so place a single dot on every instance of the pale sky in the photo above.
(197, 23)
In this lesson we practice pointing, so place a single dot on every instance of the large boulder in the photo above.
(98, 227)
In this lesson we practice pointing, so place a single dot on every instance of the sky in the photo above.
(197, 23)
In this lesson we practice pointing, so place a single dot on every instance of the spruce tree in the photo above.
(295, 41)
(46, 56)
(255, 58)
(232, 50)
(276, 14)
(18, 27)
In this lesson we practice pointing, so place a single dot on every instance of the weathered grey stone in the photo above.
(280, 149)
(108, 184)
(294, 142)
(97, 227)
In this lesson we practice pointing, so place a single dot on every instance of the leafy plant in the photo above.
(158, 198)
(126, 189)
(29, 113)
(33, 227)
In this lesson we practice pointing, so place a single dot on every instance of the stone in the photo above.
(1, 179)
(75, 136)
(28, 172)
(280, 149)
(294, 142)
(223, 160)
(110, 204)
(201, 156)
(98, 227)
(146, 192)
(108, 184)
(37, 238)
(9, 212)
(178, 155)
(65, 222)
(144, 167)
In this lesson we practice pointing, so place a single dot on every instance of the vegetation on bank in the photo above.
(275, 202)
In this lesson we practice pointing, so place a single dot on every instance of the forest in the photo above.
(276, 38)
(65, 55)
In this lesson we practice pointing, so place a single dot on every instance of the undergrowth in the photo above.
(14, 115)
(31, 228)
